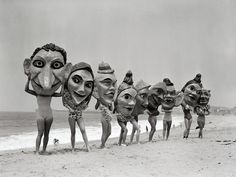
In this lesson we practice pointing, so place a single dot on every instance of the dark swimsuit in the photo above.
(187, 114)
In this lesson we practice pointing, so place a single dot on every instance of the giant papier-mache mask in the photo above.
(79, 87)
(125, 101)
(105, 84)
(171, 98)
(46, 69)
(141, 98)
(191, 94)
(155, 97)
(203, 107)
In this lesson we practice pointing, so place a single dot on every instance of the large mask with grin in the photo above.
(204, 97)
(191, 94)
(46, 69)
(105, 84)
(203, 108)
(141, 98)
(171, 98)
(79, 87)
(126, 101)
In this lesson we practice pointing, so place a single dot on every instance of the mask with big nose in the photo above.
(46, 71)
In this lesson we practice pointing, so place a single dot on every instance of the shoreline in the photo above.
(214, 155)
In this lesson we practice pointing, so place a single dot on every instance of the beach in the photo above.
(214, 155)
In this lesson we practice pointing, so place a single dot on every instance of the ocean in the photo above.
(18, 129)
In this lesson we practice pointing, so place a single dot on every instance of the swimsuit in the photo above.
(76, 115)
(167, 116)
(124, 119)
(187, 114)
(105, 113)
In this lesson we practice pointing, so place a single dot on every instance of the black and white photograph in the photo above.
(115, 88)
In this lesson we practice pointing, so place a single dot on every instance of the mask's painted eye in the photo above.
(127, 96)
(57, 65)
(198, 92)
(89, 84)
(143, 95)
(76, 79)
(192, 88)
(38, 63)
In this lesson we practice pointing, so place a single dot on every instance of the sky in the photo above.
(152, 38)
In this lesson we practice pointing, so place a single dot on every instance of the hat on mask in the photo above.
(127, 82)
(105, 68)
(141, 85)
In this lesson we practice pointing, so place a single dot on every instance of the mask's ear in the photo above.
(26, 66)
(179, 99)
(67, 70)
(95, 92)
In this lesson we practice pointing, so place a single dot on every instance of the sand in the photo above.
(212, 156)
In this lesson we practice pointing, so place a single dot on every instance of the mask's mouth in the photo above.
(204, 100)
(144, 106)
(129, 108)
(79, 94)
(110, 94)
(168, 100)
(40, 86)
(192, 97)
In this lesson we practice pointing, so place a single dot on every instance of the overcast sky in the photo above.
(153, 38)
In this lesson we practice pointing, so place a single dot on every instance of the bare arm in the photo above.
(27, 88)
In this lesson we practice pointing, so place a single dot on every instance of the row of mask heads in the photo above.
(48, 70)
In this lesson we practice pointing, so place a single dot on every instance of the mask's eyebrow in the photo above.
(38, 57)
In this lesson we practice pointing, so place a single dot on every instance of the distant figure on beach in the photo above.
(171, 99)
(155, 98)
(46, 70)
(191, 90)
(104, 92)
(202, 110)
(76, 95)
(124, 105)
(140, 106)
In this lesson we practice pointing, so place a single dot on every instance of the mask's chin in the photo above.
(78, 98)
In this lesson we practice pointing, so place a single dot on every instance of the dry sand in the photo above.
(212, 156)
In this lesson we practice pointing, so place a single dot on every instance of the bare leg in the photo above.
(81, 125)
(136, 128)
(72, 130)
(108, 130)
(152, 120)
(164, 129)
(123, 134)
(132, 134)
(168, 129)
(133, 130)
(105, 128)
(48, 123)
(188, 123)
(41, 127)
